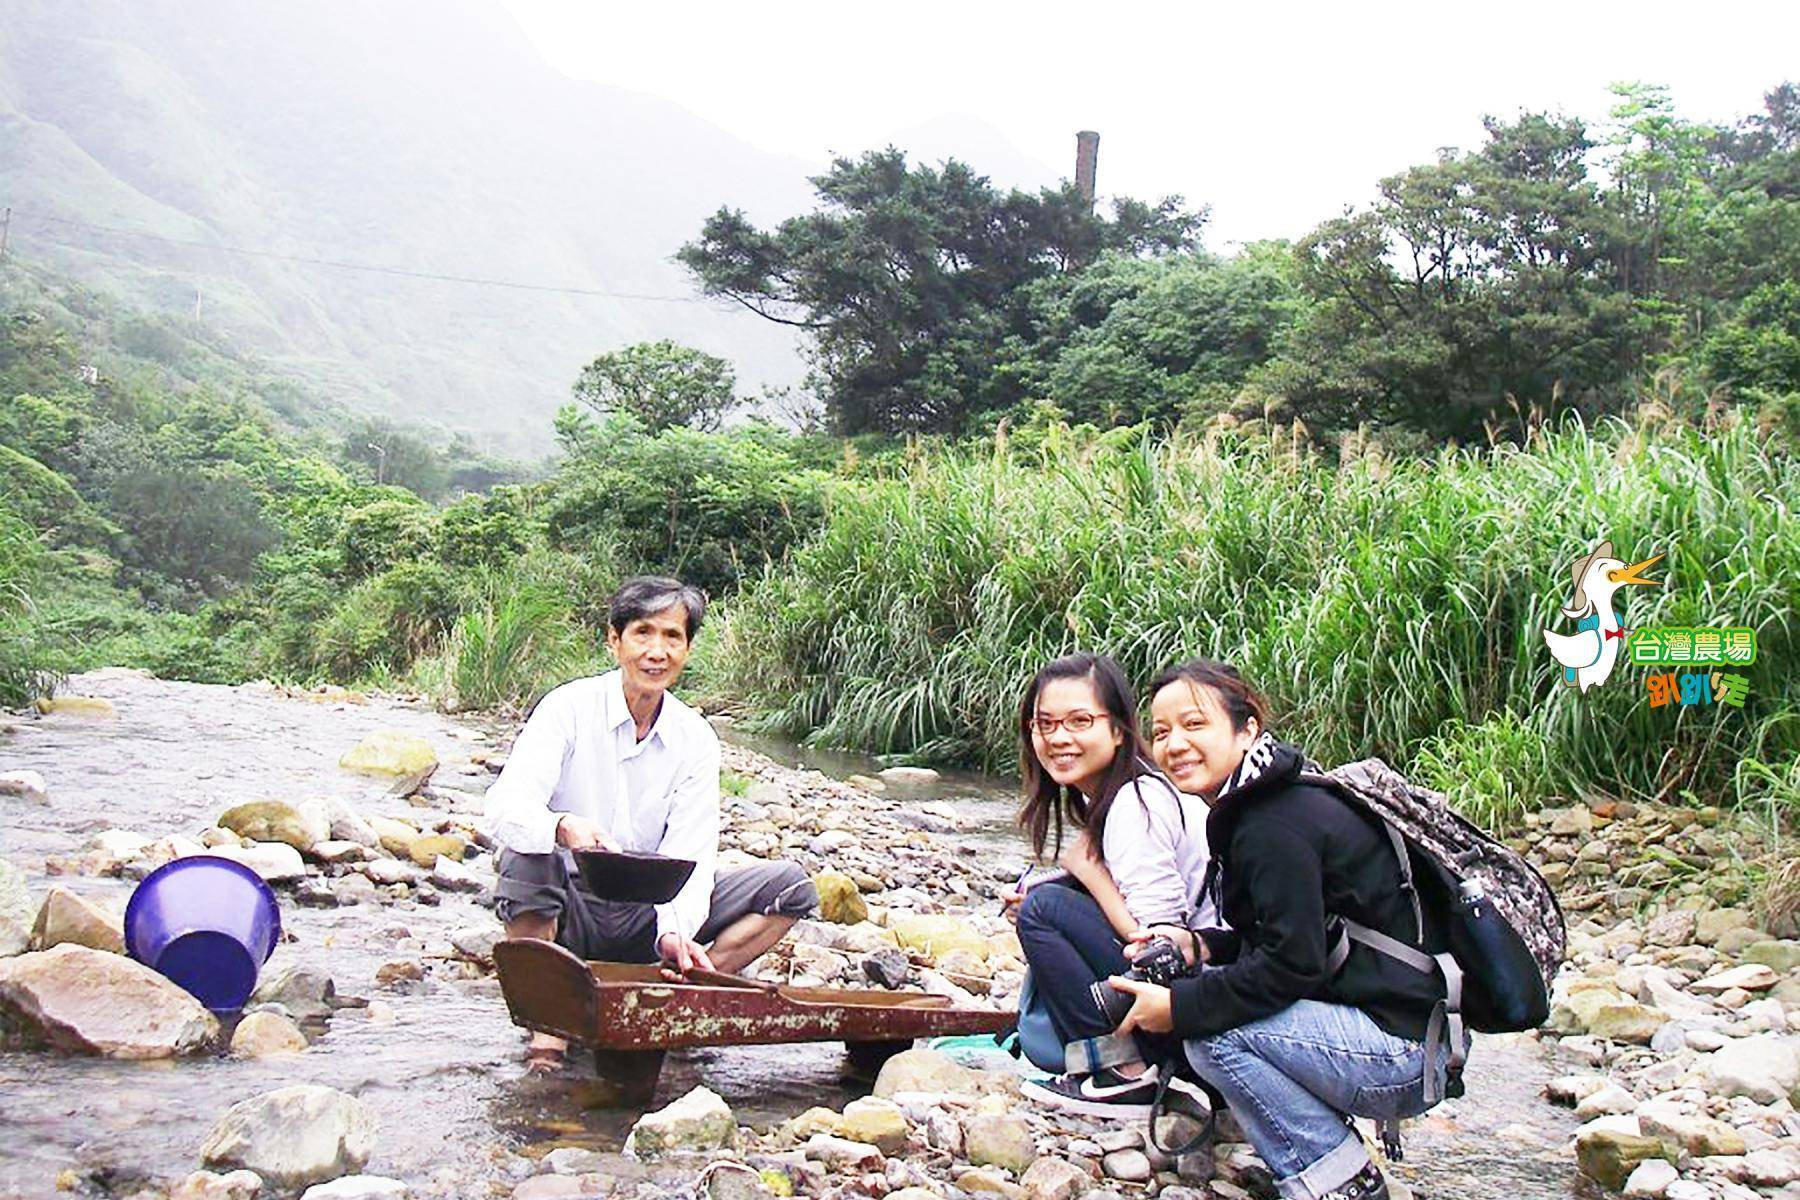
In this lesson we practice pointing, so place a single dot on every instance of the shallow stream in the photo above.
(444, 1074)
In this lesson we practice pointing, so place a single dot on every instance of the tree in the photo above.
(662, 384)
(909, 280)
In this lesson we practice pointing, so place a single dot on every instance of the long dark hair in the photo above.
(1241, 701)
(1047, 803)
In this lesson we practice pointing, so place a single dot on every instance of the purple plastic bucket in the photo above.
(206, 923)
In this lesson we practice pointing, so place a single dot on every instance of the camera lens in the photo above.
(1112, 1003)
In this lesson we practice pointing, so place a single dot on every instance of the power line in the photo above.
(370, 268)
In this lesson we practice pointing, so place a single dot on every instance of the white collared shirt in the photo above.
(579, 753)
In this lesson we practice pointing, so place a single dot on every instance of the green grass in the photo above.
(1387, 606)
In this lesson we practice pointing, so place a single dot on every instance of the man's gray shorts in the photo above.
(612, 931)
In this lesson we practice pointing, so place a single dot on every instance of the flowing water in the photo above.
(441, 1067)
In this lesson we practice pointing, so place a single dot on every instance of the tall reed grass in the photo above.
(1388, 607)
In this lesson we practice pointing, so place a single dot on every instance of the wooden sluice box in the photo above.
(629, 1015)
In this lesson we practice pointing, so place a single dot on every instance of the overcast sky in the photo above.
(1276, 115)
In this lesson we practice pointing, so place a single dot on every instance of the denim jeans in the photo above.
(1069, 945)
(1291, 1078)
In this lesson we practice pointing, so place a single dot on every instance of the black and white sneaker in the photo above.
(1369, 1184)
(1105, 1093)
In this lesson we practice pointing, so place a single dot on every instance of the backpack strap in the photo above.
(1446, 1039)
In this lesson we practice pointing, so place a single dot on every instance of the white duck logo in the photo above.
(1589, 654)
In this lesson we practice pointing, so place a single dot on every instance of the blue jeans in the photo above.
(1070, 945)
(1291, 1079)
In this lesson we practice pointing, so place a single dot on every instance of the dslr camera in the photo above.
(1160, 962)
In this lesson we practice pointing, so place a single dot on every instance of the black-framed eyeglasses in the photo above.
(1075, 722)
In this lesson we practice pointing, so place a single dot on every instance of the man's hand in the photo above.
(679, 955)
(1191, 947)
(580, 833)
(1153, 1011)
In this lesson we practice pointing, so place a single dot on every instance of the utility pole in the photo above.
(5, 231)
(380, 463)
(196, 306)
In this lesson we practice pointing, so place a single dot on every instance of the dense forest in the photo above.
(1357, 463)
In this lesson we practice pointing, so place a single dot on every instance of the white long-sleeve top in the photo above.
(1154, 844)
(579, 753)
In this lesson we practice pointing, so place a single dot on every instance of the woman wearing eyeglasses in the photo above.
(1140, 858)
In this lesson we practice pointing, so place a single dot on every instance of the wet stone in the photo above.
(294, 1136)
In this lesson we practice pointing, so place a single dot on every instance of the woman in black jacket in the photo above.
(1293, 1046)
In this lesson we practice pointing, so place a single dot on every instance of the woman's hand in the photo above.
(1153, 1011)
(1191, 947)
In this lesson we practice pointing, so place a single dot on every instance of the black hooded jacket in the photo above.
(1288, 855)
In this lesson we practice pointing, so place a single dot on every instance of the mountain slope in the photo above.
(419, 135)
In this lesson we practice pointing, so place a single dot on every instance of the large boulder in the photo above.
(924, 1070)
(1765, 1068)
(390, 753)
(87, 1001)
(300, 826)
(68, 917)
(840, 900)
(294, 1136)
(15, 911)
(699, 1121)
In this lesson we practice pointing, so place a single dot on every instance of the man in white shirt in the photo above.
(614, 762)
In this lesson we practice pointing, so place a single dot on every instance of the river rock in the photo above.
(1712, 924)
(16, 911)
(426, 849)
(937, 934)
(1779, 956)
(294, 1136)
(333, 851)
(88, 1001)
(1627, 1022)
(1650, 1180)
(477, 942)
(843, 1155)
(274, 862)
(266, 1035)
(1610, 1099)
(999, 1140)
(77, 706)
(1053, 1178)
(983, 1182)
(357, 1187)
(453, 876)
(924, 1070)
(914, 777)
(1750, 977)
(396, 837)
(1766, 1168)
(304, 992)
(1570, 1090)
(551, 1187)
(1686, 1131)
(69, 917)
(299, 826)
(1672, 927)
(1127, 1166)
(348, 825)
(876, 1121)
(388, 752)
(1766, 1068)
(699, 1120)
(840, 900)
(28, 786)
(210, 1185)
(1608, 1157)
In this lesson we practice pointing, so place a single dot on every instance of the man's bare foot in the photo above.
(544, 1055)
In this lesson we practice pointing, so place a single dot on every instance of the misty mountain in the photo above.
(140, 139)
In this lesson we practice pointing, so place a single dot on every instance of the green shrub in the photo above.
(515, 642)
(1376, 601)
(390, 620)
(391, 530)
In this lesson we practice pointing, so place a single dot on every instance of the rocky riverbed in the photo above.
(377, 1058)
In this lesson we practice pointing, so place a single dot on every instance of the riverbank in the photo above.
(412, 1028)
